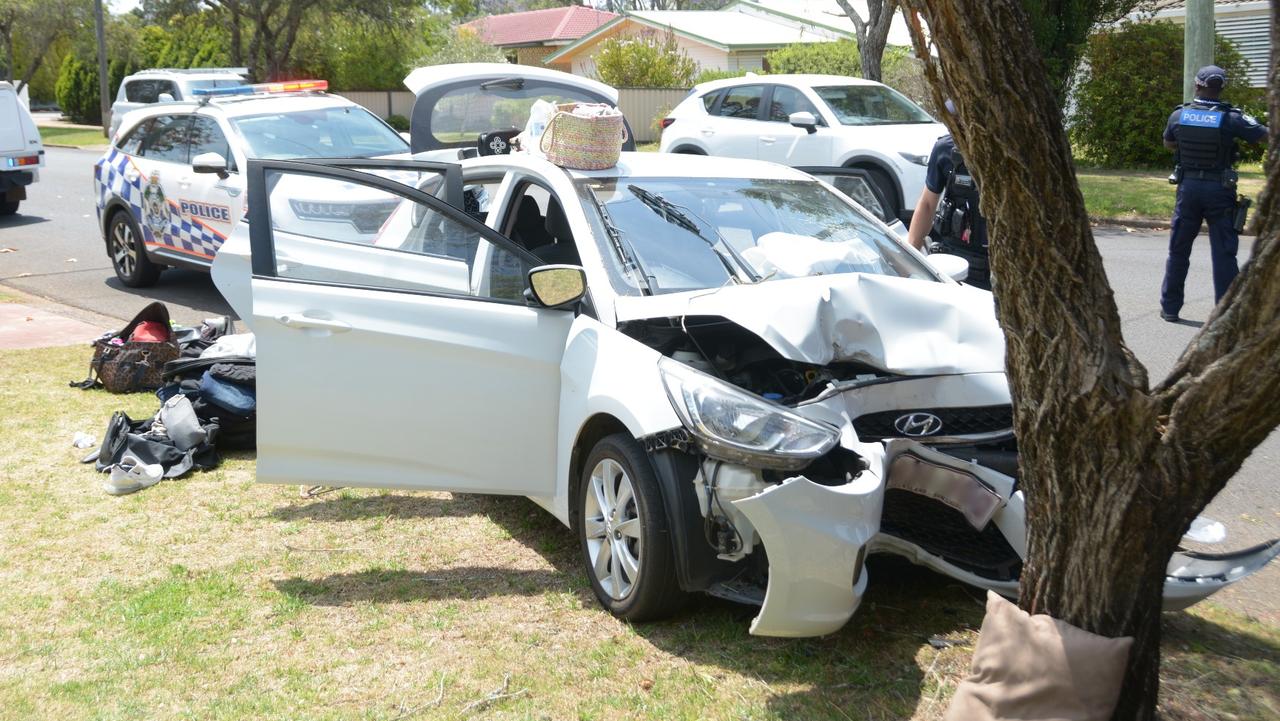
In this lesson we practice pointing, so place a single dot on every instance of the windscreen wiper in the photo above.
(630, 259)
(684, 218)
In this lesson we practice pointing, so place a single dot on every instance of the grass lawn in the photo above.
(1128, 194)
(211, 597)
(72, 136)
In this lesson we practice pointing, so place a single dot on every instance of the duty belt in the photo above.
(1202, 175)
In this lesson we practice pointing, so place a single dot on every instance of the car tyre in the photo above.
(129, 254)
(887, 189)
(9, 207)
(622, 532)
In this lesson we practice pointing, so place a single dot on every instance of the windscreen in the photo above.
(343, 132)
(871, 105)
(680, 234)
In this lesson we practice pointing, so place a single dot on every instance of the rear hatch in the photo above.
(457, 102)
(13, 130)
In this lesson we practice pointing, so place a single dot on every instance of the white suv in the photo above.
(811, 121)
(166, 85)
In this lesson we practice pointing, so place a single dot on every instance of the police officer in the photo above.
(948, 210)
(1203, 133)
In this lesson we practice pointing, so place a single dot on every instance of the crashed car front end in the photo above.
(812, 444)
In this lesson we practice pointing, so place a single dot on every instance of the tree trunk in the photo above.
(1113, 472)
(872, 33)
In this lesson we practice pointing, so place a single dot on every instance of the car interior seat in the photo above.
(562, 249)
(530, 229)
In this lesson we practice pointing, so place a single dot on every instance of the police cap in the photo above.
(1211, 76)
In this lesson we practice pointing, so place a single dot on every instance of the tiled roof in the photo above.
(539, 26)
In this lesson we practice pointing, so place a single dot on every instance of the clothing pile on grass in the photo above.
(205, 379)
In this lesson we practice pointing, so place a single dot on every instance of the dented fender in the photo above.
(816, 538)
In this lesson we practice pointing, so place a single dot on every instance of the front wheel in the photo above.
(128, 254)
(626, 547)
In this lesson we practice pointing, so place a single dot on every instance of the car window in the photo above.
(207, 137)
(787, 101)
(131, 143)
(692, 231)
(166, 139)
(742, 102)
(341, 132)
(871, 105)
(142, 91)
(335, 231)
(167, 86)
(709, 100)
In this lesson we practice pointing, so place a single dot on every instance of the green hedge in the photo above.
(1132, 82)
(823, 58)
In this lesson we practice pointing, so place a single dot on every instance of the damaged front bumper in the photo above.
(817, 537)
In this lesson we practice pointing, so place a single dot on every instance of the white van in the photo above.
(21, 152)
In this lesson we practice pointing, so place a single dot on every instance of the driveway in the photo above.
(59, 255)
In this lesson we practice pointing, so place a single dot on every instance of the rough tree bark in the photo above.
(872, 33)
(1113, 470)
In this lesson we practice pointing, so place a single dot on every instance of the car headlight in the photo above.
(733, 425)
(915, 158)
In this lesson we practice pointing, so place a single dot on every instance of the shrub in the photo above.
(77, 90)
(463, 45)
(826, 58)
(399, 122)
(644, 61)
(1132, 82)
(709, 74)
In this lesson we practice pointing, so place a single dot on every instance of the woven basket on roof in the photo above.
(583, 143)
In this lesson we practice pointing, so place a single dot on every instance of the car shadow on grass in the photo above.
(378, 585)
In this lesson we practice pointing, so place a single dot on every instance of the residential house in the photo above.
(529, 37)
(735, 38)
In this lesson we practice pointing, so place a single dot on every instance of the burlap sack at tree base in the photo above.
(1037, 667)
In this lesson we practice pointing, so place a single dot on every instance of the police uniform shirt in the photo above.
(1236, 124)
(935, 179)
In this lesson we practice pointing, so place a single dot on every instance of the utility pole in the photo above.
(1197, 49)
(103, 102)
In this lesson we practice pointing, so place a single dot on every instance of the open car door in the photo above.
(405, 357)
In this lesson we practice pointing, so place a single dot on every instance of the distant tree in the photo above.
(355, 52)
(839, 57)
(1061, 28)
(462, 45)
(871, 32)
(37, 24)
(645, 61)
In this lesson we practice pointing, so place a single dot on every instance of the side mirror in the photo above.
(555, 286)
(165, 98)
(952, 266)
(210, 163)
(804, 119)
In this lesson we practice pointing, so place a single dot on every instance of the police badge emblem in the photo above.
(155, 209)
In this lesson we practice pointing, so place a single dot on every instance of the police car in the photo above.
(170, 189)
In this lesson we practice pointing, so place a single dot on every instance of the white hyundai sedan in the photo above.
(723, 375)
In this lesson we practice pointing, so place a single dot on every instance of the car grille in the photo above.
(955, 422)
(943, 531)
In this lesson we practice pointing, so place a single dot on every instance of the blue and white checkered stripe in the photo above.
(113, 183)
(191, 237)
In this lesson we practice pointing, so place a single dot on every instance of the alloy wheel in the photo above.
(613, 529)
(124, 248)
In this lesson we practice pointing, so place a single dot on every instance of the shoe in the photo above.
(131, 475)
(1170, 317)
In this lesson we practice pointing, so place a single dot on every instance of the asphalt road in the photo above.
(59, 255)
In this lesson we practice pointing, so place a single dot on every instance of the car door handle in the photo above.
(768, 139)
(306, 322)
(708, 131)
(184, 183)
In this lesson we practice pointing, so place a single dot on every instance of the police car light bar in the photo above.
(229, 90)
(291, 86)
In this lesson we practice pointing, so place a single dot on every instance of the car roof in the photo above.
(175, 75)
(794, 80)
(233, 106)
(421, 79)
(649, 165)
